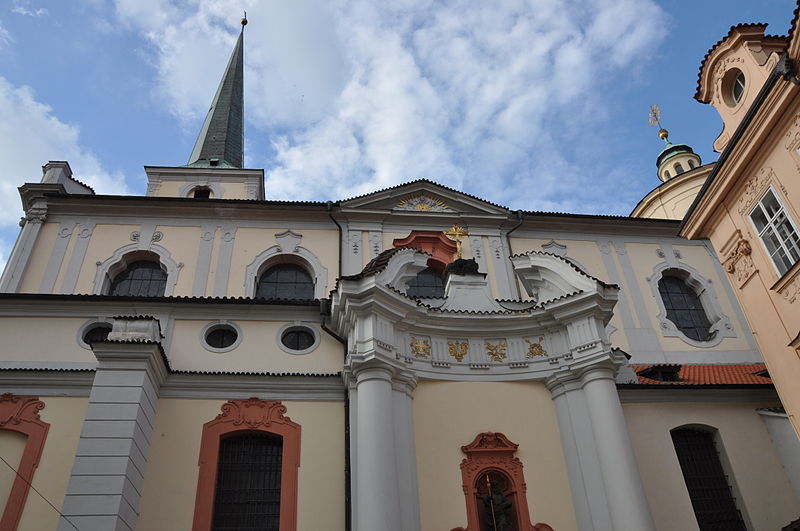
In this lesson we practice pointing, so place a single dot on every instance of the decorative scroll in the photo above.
(421, 348)
(494, 485)
(753, 189)
(792, 136)
(458, 349)
(248, 415)
(496, 352)
(739, 263)
(791, 292)
(21, 414)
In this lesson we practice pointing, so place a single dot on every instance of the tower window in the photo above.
(285, 281)
(713, 503)
(248, 490)
(737, 89)
(427, 283)
(202, 192)
(691, 164)
(666, 174)
(678, 168)
(140, 279)
(684, 308)
(777, 232)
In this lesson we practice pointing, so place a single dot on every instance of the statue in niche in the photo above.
(497, 507)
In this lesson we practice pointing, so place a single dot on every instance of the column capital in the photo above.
(129, 355)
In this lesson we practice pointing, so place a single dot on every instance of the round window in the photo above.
(738, 88)
(733, 86)
(221, 337)
(298, 339)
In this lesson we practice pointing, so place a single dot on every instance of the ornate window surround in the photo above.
(494, 452)
(251, 415)
(127, 254)
(21, 414)
(287, 250)
(720, 323)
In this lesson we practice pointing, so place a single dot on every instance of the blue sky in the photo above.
(534, 104)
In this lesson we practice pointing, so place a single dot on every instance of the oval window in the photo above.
(298, 339)
(221, 337)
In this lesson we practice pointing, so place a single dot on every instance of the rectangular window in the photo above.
(776, 231)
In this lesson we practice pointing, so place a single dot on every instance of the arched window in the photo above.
(678, 168)
(666, 174)
(201, 192)
(248, 489)
(142, 278)
(712, 500)
(427, 283)
(684, 308)
(285, 281)
(691, 164)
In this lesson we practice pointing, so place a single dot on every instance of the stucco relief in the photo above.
(753, 188)
(739, 263)
(792, 136)
(791, 291)
(719, 73)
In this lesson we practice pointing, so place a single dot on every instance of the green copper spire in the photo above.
(221, 140)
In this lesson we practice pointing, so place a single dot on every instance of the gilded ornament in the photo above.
(458, 349)
(496, 352)
(535, 349)
(421, 348)
(422, 202)
(457, 233)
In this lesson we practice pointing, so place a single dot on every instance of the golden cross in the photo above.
(457, 233)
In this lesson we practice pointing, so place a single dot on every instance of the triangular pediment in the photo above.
(423, 197)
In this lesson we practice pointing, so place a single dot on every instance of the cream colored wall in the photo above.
(59, 344)
(182, 244)
(171, 477)
(671, 201)
(40, 256)
(258, 350)
(105, 240)
(448, 415)
(251, 242)
(766, 496)
(12, 444)
(65, 416)
(172, 188)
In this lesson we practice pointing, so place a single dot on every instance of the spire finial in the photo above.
(244, 20)
(655, 120)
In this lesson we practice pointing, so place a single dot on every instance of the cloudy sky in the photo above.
(533, 104)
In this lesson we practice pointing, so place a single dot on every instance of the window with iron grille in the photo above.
(684, 308)
(427, 283)
(248, 491)
(713, 503)
(140, 279)
(285, 281)
(776, 231)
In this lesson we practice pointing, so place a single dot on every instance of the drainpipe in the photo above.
(325, 310)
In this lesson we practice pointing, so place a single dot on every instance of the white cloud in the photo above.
(32, 134)
(355, 95)
(5, 36)
(22, 7)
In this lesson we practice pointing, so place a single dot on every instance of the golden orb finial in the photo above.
(663, 134)
(244, 19)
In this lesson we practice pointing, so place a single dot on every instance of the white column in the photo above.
(376, 482)
(406, 457)
(623, 485)
(580, 454)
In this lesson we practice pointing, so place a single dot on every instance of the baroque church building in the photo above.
(205, 357)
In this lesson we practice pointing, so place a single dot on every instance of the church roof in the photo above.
(699, 374)
(221, 140)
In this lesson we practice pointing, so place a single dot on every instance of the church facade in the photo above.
(417, 358)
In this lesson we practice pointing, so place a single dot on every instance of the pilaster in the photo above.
(108, 474)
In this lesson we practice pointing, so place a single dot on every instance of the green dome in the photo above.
(670, 150)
